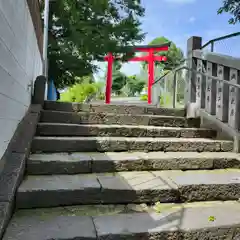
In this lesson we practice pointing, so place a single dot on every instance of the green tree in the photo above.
(135, 85)
(81, 31)
(119, 79)
(174, 54)
(232, 7)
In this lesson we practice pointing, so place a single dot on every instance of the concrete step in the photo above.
(129, 187)
(113, 144)
(63, 129)
(212, 220)
(116, 118)
(112, 108)
(75, 163)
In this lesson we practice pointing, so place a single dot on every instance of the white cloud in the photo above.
(101, 71)
(180, 1)
(192, 19)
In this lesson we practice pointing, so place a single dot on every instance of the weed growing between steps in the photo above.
(211, 219)
(159, 208)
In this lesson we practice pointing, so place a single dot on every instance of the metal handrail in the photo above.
(219, 39)
(160, 78)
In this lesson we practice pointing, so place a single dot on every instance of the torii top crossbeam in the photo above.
(150, 58)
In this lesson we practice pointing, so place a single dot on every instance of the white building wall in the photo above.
(20, 64)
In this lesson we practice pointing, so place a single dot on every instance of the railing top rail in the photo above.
(222, 59)
(221, 38)
(206, 75)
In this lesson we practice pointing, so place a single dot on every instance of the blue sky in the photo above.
(178, 20)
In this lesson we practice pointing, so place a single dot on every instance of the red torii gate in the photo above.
(150, 58)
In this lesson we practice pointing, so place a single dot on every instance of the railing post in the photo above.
(212, 46)
(193, 43)
(174, 88)
(165, 90)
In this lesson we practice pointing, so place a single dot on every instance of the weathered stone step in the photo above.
(212, 220)
(60, 129)
(108, 118)
(113, 144)
(129, 187)
(74, 163)
(112, 108)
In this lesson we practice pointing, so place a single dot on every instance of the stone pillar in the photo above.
(39, 90)
(234, 100)
(193, 43)
(210, 104)
(200, 85)
(222, 98)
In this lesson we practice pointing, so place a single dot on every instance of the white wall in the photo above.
(20, 63)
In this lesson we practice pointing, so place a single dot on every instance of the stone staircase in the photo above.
(126, 172)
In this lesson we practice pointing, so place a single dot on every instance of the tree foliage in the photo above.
(119, 79)
(232, 7)
(174, 54)
(135, 85)
(81, 31)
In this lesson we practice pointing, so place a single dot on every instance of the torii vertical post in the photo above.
(110, 60)
(150, 58)
(150, 74)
